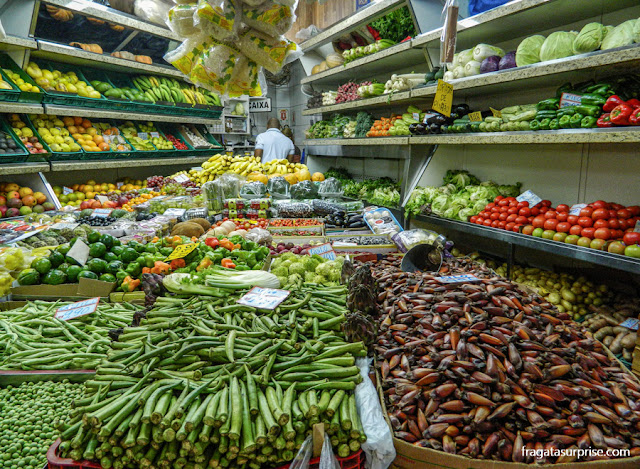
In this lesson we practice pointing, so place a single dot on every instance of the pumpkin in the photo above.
(334, 60)
(317, 177)
(59, 14)
(291, 178)
(303, 175)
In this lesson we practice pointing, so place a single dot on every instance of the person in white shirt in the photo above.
(272, 144)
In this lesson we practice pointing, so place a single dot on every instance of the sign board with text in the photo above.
(75, 310)
(260, 105)
(264, 298)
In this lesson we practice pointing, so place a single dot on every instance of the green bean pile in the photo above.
(32, 339)
(29, 414)
(209, 383)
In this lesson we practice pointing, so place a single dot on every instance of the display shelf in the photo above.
(592, 256)
(378, 101)
(17, 43)
(21, 108)
(109, 114)
(73, 55)
(357, 141)
(58, 166)
(398, 57)
(350, 23)
(24, 168)
(95, 10)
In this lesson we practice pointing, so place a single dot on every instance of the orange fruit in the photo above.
(68, 121)
(104, 146)
(77, 120)
(86, 123)
(98, 139)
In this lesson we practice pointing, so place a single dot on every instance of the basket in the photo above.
(164, 129)
(70, 99)
(20, 157)
(7, 62)
(54, 155)
(55, 462)
(120, 104)
(355, 461)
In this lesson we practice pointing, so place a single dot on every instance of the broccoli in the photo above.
(31, 240)
(49, 241)
(283, 281)
(297, 268)
(60, 239)
(281, 271)
(310, 264)
(295, 279)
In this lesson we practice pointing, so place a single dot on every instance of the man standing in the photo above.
(272, 144)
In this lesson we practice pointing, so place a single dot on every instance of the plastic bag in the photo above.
(260, 236)
(186, 54)
(252, 190)
(330, 187)
(269, 18)
(253, 3)
(246, 79)
(304, 190)
(214, 67)
(327, 458)
(182, 20)
(218, 18)
(270, 52)
(278, 187)
(292, 210)
(379, 445)
(307, 33)
(155, 11)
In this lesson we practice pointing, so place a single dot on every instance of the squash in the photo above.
(334, 60)
(291, 178)
(116, 27)
(95, 48)
(317, 177)
(303, 175)
(95, 21)
(316, 69)
(59, 14)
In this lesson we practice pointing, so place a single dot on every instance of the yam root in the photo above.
(607, 340)
(603, 332)
(187, 228)
(629, 341)
(616, 345)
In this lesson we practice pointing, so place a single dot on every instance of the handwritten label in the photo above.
(67, 190)
(575, 209)
(101, 212)
(79, 252)
(155, 135)
(631, 323)
(475, 116)
(143, 135)
(102, 198)
(75, 310)
(416, 116)
(570, 99)
(530, 197)
(443, 99)
(324, 250)
(264, 298)
(182, 250)
(174, 212)
(464, 278)
(495, 112)
(119, 184)
(181, 178)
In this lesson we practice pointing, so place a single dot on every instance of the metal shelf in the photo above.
(58, 166)
(108, 114)
(95, 10)
(24, 168)
(357, 141)
(592, 256)
(73, 55)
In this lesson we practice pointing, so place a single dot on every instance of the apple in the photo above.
(632, 251)
(40, 197)
(598, 244)
(616, 247)
(3, 210)
(584, 242)
(548, 234)
(560, 236)
(13, 195)
(29, 201)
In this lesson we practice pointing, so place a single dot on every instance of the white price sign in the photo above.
(101, 213)
(464, 278)
(66, 190)
(181, 178)
(174, 212)
(155, 134)
(575, 209)
(264, 298)
(631, 323)
(143, 135)
(79, 252)
(75, 310)
(324, 250)
(530, 197)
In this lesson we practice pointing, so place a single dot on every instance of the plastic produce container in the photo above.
(55, 155)
(354, 461)
(21, 155)
(92, 74)
(11, 95)
(70, 99)
(7, 62)
(56, 462)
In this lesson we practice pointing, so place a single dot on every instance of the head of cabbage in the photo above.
(557, 46)
(589, 38)
(528, 51)
(622, 35)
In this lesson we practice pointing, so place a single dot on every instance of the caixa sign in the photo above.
(260, 105)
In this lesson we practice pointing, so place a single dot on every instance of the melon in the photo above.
(303, 175)
(257, 176)
(317, 177)
(291, 178)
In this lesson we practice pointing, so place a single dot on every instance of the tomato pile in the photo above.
(281, 222)
(176, 142)
(599, 225)
(246, 224)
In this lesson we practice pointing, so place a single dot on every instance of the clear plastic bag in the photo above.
(182, 20)
(155, 11)
(215, 192)
(304, 190)
(270, 52)
(292, 210)
(246, 79)
(253, 190)
(218, 18)
(186, 54)
(330, 187)
(214, 68)
(307, 33)
(270, 18)
(327, 458)
(278, 187)
(260, 236)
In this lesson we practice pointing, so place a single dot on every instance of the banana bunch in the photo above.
(175, 175)
(212, 168)
(282, 167)
(171, 90)
(245, 165)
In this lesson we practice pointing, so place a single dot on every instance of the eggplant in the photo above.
(437, 119)
(461, 109)
(412, 128)
(435, 128)
(422, 129)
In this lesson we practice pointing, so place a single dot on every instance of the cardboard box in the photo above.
(86, 288)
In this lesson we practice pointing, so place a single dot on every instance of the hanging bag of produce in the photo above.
(270, 18)
(270, 52)
(449, 32)
(181, 20)
(218, 18)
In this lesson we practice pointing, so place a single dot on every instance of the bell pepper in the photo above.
(612, 102)
(534, 125)
(588, 110)
(600, 88)
(161, 268)
(574, 122)
(565, 122)
(605, 121)
(129, 284)
(566, 111)
(242, 267)
(166, 251)
(592, 99)
(633, 102)
(621, 113)
(566, 88)
(121, 275)
(212, 242)
(228, 263)
(150, 248)
(177, 264)
(262, 252)
(134, 269)
(544, 124)
(584, 86)
(548, 104)
(553, 125)
(146, 270)
(204, 264)
(634, 119)
(588, 122)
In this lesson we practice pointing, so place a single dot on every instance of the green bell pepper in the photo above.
(553, 125)
(588, 122)
(567, 111)
(565, 122)
(546, 115)
(592, 99)
(261, 253)
(587, 110)
(121, 275)
(128, 255)
(566, 88)
(534, 125)
(242, 267)
(134, 269)
(150, 248)
(166, 251)
(604, 89)
(548, 104)
(575, 120)
(544, 124)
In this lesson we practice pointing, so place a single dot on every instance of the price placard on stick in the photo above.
(444, 98)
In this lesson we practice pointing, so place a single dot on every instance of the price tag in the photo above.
(102, 198)
(444, 98)
(67, 190)
(143, 135)
(464, 278)
(155, 135)
(495, 112)
(575, 209)
(101, 212)
(265, 298)
(416, 116)
(324, 250)
(119, 184)
(62, 226)
(475, 116)
(182, 250)
(570, 99)
(428, 116)
(75, 310)
(174, 212)
(631, 323)
(181, 178)
(529, 197)
(79, 252)
(637, 227)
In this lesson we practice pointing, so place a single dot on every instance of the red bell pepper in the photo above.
(177, 264)
(212, 242)
(612, 102)
(605, 121)
(635, 117)
(634, 103)
(621, 113)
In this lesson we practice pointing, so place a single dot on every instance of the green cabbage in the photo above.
(528, 51)
(622, 35)
(589, 38)
(636, 31)
(608, 29)
(463, 57)
(557, 46)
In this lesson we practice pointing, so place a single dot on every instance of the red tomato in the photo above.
(624, 213)
(512, 217)
(617, 234)
(511, 199)
(504, 209)
(545, 203)
(575, 230)
(487, 222)
(479, 220)
(522, 220)
(612, 213)
(562, 208)
(635, 210)
(623, 224)
(550, 224)
(495, 223)
(494, 216)
(502, 224)
(585, 222)
(614, 223)
(538, 222)
(601, 224)
(528, 229)
(631, 237)
(616, 206)
(524, 212)
(588, 232)
(573, 219)
(503, 216)
(495, 209)
(509, 226)
(600, 204)
(535, 211)
(544, 209)
(499, 198)
(516, 229)
(597, 214)
(586, 212)
(503, 203)
(562, 216)
(602, 233)
(490, 206)
(512, 210)
(563, 227)
(522, 204)
(550, 214)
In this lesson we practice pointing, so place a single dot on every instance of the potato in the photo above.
(603, 332)
(607, 340)
(629, 341)
(616, 345)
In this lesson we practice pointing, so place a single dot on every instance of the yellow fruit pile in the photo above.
(19, 82)
(57, 81)
(53, 132)
(140, 199)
